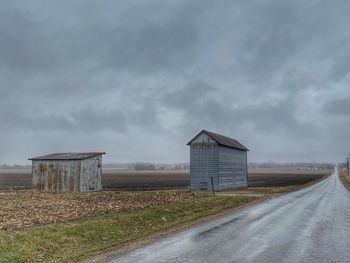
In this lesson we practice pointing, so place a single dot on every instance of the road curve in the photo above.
(309, 225)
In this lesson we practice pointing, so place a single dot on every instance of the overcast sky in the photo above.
(138, 79)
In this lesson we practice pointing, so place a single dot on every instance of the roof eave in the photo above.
(63, 159)
(240, 149)
(209, 135)
(189, 143)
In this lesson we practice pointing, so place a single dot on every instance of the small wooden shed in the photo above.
(67, 172)
(218, 158)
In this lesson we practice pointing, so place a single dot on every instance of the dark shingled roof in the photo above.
(222, 140)
(67, 156)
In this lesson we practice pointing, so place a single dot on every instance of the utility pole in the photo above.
(348, 165)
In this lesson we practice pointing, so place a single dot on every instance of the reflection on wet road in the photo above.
(310, 225)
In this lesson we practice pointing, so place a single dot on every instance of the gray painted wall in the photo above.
(232, 168)
(227, 166)
(204, 165)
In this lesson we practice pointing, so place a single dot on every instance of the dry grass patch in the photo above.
(343, 175)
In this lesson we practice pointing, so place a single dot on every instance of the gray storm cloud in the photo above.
(138, 79)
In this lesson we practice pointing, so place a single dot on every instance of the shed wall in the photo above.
(56, 176)
(67, 175)
(227, 166)
(91, 173)
(204, 163)
(232, 168)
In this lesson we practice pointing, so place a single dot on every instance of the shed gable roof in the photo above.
(67, 156)
(222, 140)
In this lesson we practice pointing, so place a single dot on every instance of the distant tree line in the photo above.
(150, 166)
(142, 166)
(306, 165)
(14, 167)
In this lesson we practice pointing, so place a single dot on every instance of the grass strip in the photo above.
(345, 179)
(70, 242)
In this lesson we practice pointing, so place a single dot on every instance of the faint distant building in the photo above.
(67, 172)
(220, 157)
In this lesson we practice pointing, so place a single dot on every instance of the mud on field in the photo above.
(281, 179)
(111, 180)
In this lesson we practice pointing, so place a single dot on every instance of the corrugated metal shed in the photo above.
(67, 172)
(219, 157)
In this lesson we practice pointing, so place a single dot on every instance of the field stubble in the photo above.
(19, 209)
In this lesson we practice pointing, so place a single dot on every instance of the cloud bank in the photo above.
(138, 79)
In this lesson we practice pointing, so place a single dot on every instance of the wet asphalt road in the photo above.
(310, 225)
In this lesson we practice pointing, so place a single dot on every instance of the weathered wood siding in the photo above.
(91, 173)
(227, 166)
(67, 175)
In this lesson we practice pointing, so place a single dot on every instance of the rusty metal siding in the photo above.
(54, 176)
(67, 175)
